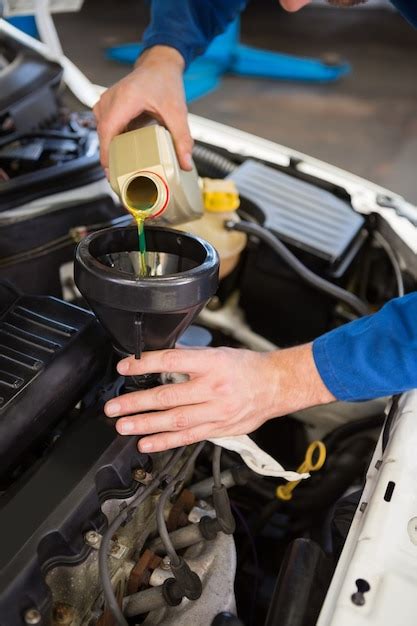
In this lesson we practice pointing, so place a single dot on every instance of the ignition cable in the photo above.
(103, 565)
(167, 493)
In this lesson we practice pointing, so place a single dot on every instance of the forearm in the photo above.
(295, 381)
(159, 54)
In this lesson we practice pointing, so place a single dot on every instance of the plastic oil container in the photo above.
(145, 173)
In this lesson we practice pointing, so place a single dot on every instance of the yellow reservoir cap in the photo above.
(220, 196)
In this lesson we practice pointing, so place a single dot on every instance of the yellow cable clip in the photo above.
(284, 492)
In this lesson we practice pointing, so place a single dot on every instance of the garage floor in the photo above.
(366, 123)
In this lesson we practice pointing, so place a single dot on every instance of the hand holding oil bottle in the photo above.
(145, 173)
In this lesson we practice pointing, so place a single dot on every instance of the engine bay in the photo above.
(191, 536)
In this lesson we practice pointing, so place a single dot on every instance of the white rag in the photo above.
(255, 458)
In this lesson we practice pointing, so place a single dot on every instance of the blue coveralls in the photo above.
(370, 357)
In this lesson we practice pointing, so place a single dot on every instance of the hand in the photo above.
(229, 392)
(155, 86)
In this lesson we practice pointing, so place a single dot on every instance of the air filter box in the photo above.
(322, 230)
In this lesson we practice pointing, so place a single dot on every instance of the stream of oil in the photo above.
(143, 270)
(140, 216)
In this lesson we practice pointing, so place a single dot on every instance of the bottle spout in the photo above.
(144, 193)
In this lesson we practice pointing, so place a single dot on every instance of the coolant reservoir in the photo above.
(145, 173)
(221, 200)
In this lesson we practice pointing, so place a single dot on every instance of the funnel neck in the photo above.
(145, 313)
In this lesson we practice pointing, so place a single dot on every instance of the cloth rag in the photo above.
(255, 458)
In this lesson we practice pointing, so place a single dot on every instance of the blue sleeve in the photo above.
(408, 9)
(189, 25)
(371, 357)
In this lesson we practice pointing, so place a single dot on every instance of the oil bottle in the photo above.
(145, 173)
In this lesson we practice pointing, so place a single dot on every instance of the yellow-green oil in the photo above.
(140, 197)
(140, 216)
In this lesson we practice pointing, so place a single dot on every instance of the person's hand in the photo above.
(155, 87)
(229, 392)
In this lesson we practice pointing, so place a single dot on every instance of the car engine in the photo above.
(95, 533)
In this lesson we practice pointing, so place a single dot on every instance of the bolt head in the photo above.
(139, 474)
(92, 538)
(32, 616)
(63, 614)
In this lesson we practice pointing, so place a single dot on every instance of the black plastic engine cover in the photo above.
(46, 516)
(31, 260)
(50, 353)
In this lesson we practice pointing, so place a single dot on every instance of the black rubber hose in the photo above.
(211, 163)
(60, 242)
(345, 431)
(357, 305)
(393, 260)
(217, 455)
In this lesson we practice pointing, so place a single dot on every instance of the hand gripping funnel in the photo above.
(145, 313)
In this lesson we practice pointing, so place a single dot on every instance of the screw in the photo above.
(92, 538)
(63, 614)
(358, 598)
(166, 563)
(363, 507)
(139, 474)
(32, 616)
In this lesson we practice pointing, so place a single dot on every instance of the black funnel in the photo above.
(145, 313)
